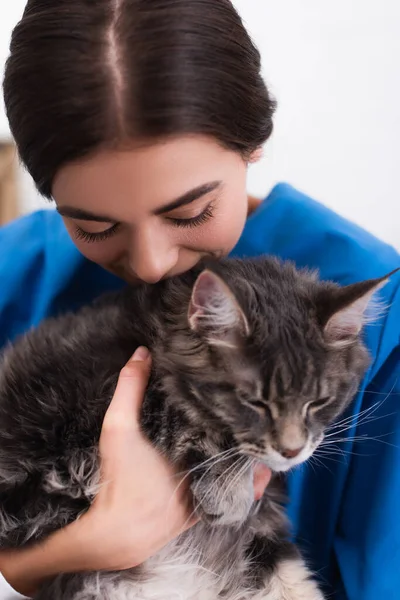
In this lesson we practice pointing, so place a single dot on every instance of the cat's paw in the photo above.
(224, 500)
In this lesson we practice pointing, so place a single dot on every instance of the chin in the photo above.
(279, 464)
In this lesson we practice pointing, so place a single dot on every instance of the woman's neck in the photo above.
(253, 203)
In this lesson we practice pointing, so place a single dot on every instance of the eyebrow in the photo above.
(185, 199)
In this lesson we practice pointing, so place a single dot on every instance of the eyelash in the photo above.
(200, 219)
(86, 236)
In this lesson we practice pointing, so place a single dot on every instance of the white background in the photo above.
(335, 69)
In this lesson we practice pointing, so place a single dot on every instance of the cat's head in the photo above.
(270, 355)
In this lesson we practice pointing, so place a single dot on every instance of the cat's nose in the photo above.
(286, 453)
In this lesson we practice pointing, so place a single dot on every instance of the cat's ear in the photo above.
(347, 309)
(215, 313)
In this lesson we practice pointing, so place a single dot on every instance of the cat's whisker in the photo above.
(331, 448)
(210, 490)
(225, 455)
(361, 438)
(356, 418)
(362, 421)
(339, 432)
(245, 466)
(330, 456)
(380, 393)
(214, 460)
(372, 419)
(224, 490)
(311, 463)
(358, 438)
(332, 438)
(232, 483)
(342, 452)
(322, 464)
(215, 483)
(328, 448)
(339, 460)
(196, 506)
(364, 415)
(371, 409)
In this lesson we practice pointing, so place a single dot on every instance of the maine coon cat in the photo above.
(252, 360)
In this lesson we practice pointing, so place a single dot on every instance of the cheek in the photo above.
(316, 434)
(318, 426)
(232, 214)
(232, 221)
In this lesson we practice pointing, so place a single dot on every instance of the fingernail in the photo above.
(141, 354)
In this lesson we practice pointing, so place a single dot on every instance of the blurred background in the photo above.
(334, 69)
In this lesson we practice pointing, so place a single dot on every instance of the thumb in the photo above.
(262, 477)
(124, 410)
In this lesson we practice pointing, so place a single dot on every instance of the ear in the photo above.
(346, 311)
(215, 313)
(256, 155)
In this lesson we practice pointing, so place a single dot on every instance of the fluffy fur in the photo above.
(252, 361)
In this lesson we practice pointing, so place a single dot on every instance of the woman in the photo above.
(139, 118)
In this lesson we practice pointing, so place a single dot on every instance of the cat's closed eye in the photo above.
(256, 403)
(320, 403)
(260, 405)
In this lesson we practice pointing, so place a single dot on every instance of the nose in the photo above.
(287, 453)
(152, 257)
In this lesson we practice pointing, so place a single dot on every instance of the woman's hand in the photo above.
(142, 503)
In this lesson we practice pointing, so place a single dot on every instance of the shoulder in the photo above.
(42, 273)
(295, 227)
(32, 239)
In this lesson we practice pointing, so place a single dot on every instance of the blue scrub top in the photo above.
(345, 509)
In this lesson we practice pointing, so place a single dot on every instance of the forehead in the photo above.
(148, 175)
(293, 365)
(301, 376)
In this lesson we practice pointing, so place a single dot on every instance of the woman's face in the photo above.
(152, 212)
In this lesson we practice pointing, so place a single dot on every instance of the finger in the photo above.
(192, 520)
(262, 477)
(125, 406)
(191, 517)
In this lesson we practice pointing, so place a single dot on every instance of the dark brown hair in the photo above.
(84, 75)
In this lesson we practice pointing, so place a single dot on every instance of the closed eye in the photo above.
(203, 217)
(260, 405)
(252, 398)
(98, 236)
(320, 403)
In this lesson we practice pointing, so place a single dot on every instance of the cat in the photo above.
(252, 361)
